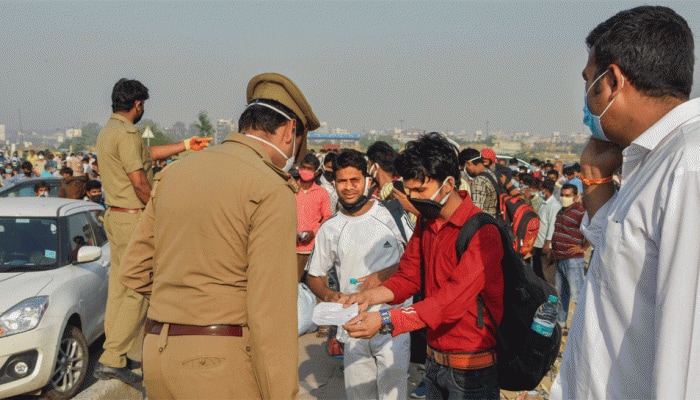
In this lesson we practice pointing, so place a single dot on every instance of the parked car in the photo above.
(54, 270)
(25, 188)
(526, 164)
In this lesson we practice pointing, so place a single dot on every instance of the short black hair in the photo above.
(381, 153)
(310, 158)
(125, 93)
(652, 45)
(569, 170)
(431, 156)
(570, 186)
(548, 184)
(67, 170)
(553, 172)
(469, 154)
(260, 117)
(350, 158)
(329, 157)
(93, 184)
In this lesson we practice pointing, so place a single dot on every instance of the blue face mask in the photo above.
(593, 121)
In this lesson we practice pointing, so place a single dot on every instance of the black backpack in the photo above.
(524, 356)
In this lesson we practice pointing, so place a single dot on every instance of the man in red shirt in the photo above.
(313, 207)
(461, 355)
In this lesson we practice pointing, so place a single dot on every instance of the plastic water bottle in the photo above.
(355, 285)
(546, 317)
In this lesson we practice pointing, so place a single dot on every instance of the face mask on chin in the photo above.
(289, 161)
(429, 208)
(356, 206)
(328, 175)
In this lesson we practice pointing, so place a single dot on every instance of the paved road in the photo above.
(320, 377)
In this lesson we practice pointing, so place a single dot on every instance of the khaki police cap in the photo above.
(281, 89)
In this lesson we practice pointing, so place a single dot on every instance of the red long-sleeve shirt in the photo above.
(449, 309)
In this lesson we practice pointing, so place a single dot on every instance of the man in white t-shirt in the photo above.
(364, 243)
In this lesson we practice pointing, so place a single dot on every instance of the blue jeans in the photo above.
(443, 382)
(569, 283)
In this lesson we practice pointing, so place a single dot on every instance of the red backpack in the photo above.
(523, 219)
(520, 218)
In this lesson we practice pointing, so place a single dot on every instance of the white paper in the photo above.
(333, 313)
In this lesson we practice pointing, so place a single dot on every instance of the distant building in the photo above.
(2, 134)
(223, 128)
(73, 132)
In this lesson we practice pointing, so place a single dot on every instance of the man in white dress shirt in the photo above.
(633, 334)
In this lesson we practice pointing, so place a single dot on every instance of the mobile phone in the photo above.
(398, 185)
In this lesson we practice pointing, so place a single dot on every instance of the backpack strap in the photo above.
(472, 225)
(469, 229)
(397, 211)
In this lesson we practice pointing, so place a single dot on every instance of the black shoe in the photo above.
(132, 364)
(123, 374)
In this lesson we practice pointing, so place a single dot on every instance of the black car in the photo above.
(25, 188)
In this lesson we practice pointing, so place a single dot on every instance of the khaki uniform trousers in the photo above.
(126, 309)
(198, 367)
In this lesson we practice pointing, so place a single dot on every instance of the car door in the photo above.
(92, 277)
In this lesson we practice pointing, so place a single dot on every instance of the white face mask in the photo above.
(289, 160)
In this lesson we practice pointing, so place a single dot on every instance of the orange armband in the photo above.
(589, 182)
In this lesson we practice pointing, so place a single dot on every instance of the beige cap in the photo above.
(281, 89)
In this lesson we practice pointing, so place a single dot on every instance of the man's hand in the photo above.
(361, 298)
(600, 159)
(364, 326)
(196, 143)
(306, 238)
(333, 297)
(370, 281)
(576, 249)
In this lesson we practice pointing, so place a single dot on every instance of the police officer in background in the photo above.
(220, 270)
(125, 163)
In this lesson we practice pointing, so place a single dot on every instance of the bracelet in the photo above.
(589, 182)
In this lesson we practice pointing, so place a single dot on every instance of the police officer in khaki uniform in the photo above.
(215, 251)
(125, 167)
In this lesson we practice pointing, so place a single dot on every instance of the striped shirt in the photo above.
(567, 231)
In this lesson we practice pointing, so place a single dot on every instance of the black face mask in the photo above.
(328, 175)
(353, 208)
(430, 209)
(96, 198)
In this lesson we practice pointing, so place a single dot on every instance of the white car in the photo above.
(54, 270)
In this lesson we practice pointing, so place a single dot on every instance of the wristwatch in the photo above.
(387, 327)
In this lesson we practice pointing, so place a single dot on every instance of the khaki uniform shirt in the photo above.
(122, 151)
(216, 245)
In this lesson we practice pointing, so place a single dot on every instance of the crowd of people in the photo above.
(206, 262)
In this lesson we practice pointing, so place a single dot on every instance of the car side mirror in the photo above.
(88, 254)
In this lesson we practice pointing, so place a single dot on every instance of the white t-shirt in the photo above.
(358, 246)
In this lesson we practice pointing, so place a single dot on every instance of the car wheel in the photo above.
(71, 366)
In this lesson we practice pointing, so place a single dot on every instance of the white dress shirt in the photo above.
(633, 333)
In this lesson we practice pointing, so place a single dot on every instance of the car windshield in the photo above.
(28, 244)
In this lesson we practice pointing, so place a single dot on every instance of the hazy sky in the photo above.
(434, 65)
